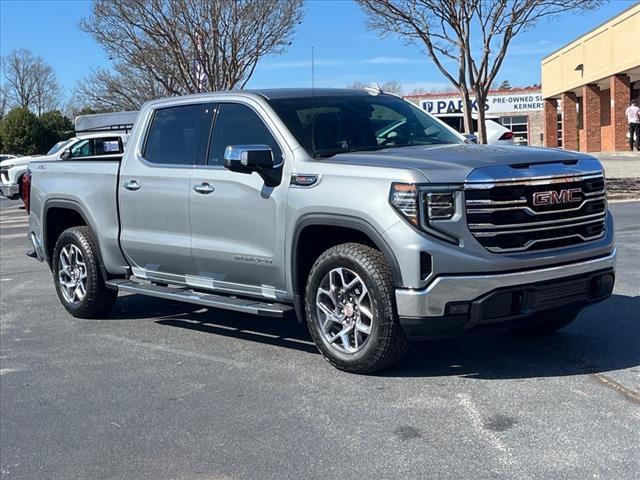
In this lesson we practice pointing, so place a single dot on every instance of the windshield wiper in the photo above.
(348, 150)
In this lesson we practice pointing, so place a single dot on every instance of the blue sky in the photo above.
(345, 51)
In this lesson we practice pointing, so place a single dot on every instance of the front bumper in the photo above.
(9, 190)
(500, 297)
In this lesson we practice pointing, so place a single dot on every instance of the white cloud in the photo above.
(299, 64)
(292, 64)
(389, 60)
(407, 87)
(540, 48)
(431, 87)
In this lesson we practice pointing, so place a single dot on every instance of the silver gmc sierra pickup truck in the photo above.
(373, 221)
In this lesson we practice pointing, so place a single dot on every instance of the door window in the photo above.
(237, 124)
(178, 135)
(81, 149)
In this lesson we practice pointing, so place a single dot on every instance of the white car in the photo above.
(87, 145)
(497, 134)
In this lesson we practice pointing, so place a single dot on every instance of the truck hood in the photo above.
(454, 163)
(18, 161)
(23, 161)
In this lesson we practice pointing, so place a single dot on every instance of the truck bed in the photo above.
(90, 188)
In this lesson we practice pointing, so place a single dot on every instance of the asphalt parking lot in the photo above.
(162, 390)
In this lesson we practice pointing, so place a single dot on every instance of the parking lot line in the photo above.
(608, 382)
(13, 235)
(14, 220)
(11, 227)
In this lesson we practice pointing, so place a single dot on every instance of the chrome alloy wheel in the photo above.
(72, 274)
(343, 308)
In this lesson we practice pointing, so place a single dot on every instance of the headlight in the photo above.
(432, 203)
(6, 167)
(404, 198)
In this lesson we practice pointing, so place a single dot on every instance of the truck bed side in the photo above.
(69, 193)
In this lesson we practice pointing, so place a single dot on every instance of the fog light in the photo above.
(601, 286)
(458, 308)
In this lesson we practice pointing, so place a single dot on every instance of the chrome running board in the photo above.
(181, 294)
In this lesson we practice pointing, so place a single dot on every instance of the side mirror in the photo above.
(254, 158)
(471, 138)
(66, 154)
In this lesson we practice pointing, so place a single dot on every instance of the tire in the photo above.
(76, 249)
(546, 326)
(368, 305)
(20, 187)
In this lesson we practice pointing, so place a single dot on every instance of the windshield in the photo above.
(358, 123)
(58, 146)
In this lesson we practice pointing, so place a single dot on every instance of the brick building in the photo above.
(588, 84)
(518, 109)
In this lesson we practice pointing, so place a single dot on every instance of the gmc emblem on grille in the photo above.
(557, 197)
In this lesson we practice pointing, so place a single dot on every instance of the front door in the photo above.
(237, 223)
(154, 192)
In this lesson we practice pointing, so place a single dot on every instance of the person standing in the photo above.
(633, 117)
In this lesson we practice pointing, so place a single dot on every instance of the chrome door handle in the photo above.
(132, 185)
(203, 188)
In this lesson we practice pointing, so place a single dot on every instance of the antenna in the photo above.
(313, 109)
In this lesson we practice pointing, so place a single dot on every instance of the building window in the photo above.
(559, 127)
(519, 125)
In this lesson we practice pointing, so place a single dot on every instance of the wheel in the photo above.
(20, 187)
(77, 275)
(349, 302)
(545, 326)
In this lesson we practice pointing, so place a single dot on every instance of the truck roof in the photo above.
(271, 93)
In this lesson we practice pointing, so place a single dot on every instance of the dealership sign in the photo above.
(494, 104)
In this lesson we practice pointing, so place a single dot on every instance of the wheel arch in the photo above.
(335, 229)
(57, 216)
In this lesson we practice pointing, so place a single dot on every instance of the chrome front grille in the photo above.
(540, 214)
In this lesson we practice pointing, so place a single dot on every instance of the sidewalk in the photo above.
(620, 164)
(622, 170)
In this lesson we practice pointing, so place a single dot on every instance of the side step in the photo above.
(225, 302)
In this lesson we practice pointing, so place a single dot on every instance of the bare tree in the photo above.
(418, 91)
(124, 88)
(47, 92)
(472, 35)
(186, 46)
(4, 101)
(392, 87)
(357, 85)
(30, 82)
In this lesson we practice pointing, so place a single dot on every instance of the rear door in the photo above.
(154, 192)
(237, 223)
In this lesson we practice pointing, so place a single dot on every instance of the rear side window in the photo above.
(107, 146)
(238, 124)
(178, 135)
